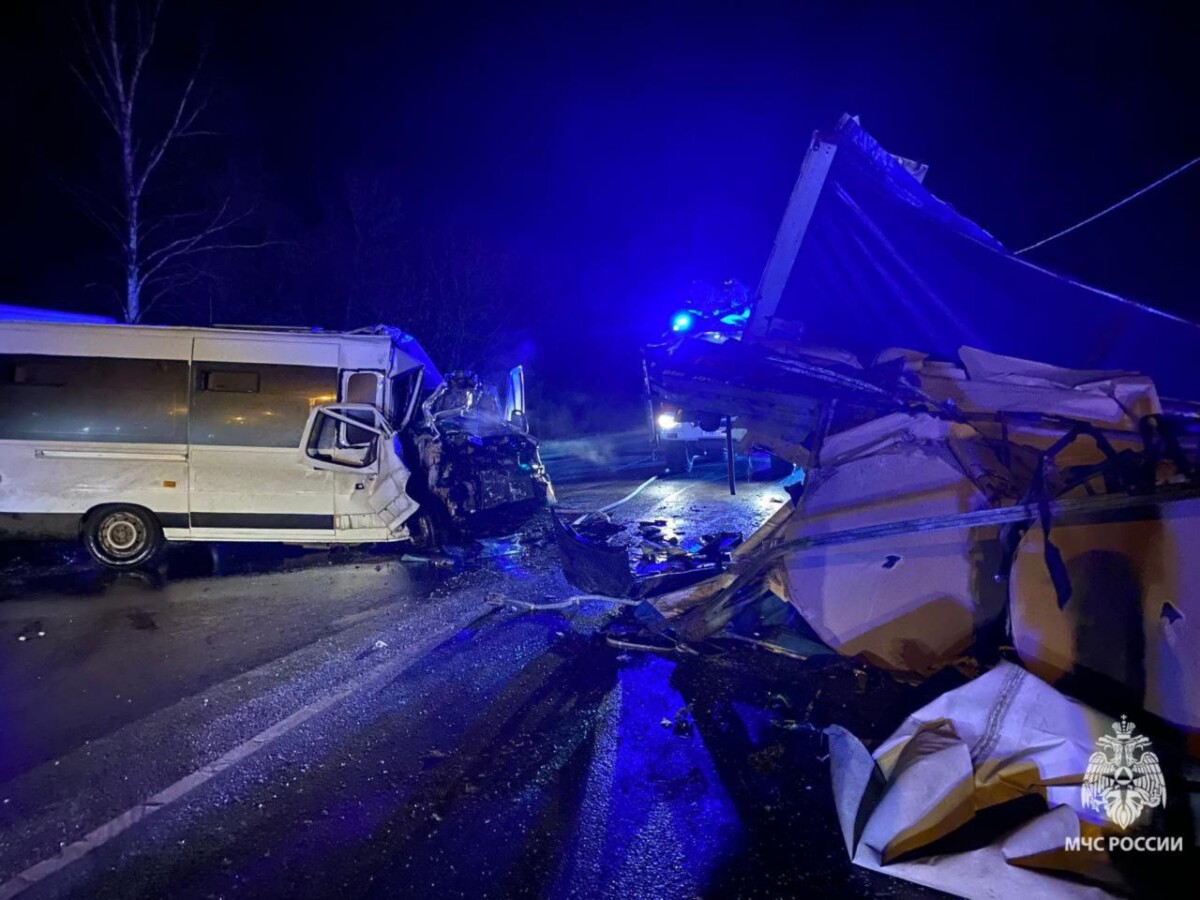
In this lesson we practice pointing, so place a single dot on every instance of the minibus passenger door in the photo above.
(354, 441)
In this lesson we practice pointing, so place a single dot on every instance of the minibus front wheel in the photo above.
(122, 537)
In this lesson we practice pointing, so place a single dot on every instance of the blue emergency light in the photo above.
(682, 321)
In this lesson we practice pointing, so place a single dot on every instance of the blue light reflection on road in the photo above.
(655, 820)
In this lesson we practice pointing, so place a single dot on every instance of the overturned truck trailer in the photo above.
(987, 446)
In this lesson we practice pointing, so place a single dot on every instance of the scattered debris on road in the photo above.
(604, 557)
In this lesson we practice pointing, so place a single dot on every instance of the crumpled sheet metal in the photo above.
(915, 600)
(909, 603)
(1002, 737)
(590, 565)
(486, 471)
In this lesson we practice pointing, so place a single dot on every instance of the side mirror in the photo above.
(514, 398)
(344, 437)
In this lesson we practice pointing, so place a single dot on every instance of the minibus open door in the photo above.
(355, 441)
(515, 410)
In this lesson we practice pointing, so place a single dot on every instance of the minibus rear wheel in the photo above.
(122, 537)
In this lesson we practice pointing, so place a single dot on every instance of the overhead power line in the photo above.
(1117, 205)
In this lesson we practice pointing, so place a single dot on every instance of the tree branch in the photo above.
(174, 282)
(99, 209)
(145, 42)
(97, 86)
(180, 126)
(113, 58)
(155, 258)
(203, 241)
(164, 220)
(114, 65)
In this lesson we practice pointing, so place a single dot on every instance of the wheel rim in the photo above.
(122, 535)
(422, 533)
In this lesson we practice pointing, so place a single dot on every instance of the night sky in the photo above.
(614, 154)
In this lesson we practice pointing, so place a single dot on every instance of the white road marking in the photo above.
(117, 825)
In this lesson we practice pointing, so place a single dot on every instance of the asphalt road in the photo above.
(266, 722)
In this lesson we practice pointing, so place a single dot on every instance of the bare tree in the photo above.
(158, 247)
(453, 291)
(373, 248)
(469, 289)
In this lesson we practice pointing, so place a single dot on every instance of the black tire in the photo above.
(780, 468)
(122, 537)
(432, 528)
(677, 458)
(423, 532)
(777, 468)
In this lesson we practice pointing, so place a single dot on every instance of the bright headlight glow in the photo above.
(667, 420)
(682, 321)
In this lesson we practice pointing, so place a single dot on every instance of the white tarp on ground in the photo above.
(1001, 737)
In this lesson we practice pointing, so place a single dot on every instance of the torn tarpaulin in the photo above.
(886, 556)
(978, 794)
(867, 257)
(929, 480)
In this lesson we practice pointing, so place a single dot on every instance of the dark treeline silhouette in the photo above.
(545, 184)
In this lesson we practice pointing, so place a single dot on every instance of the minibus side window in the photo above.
(40, 374)
(239, 404)
(231, 382)
(325, 440)
(360, 387)
(93, 399)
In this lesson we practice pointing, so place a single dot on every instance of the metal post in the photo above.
(729, 453)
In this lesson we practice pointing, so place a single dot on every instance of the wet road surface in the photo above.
(364, 725)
